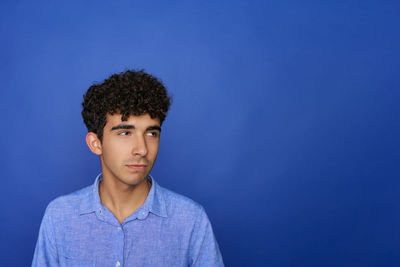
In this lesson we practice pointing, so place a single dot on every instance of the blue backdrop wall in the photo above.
(284, 124)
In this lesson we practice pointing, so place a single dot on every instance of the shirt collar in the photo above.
(155, 202)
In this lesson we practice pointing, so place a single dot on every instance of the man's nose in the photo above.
(139, 147)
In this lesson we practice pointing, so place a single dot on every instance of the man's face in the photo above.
(129, 148)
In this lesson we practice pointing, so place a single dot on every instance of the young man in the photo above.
(125, 218)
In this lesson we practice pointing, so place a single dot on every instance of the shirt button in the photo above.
(119, 228)
(117, 264)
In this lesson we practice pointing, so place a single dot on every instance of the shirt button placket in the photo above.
(121, 230)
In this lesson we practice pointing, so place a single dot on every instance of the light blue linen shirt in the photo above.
(167, 230)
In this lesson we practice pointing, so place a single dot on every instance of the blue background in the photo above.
(284, 126)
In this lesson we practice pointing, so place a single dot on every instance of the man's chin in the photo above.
(134, 181)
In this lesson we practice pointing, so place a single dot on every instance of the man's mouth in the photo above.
(137, 167)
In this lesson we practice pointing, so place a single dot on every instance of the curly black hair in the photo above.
(129, 93)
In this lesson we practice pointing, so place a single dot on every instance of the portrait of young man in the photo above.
(125, 218)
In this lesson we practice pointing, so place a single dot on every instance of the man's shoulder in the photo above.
(180, 204)
(70, 203)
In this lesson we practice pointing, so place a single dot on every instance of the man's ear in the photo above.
(94, 143)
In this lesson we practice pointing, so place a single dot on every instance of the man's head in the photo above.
(124, 116)
(127, 93)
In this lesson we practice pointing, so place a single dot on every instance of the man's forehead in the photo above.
(145, 119)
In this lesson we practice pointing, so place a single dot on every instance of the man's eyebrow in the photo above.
(131, 127)
(123, 126)
(155, 127)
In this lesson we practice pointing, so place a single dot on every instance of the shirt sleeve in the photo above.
(45, 251)
(204, 250)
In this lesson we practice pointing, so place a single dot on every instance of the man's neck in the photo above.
(122, 199)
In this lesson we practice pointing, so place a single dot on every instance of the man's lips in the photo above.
(137, 167)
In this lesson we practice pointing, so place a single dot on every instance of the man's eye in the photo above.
(124, 133)
(152, 134)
